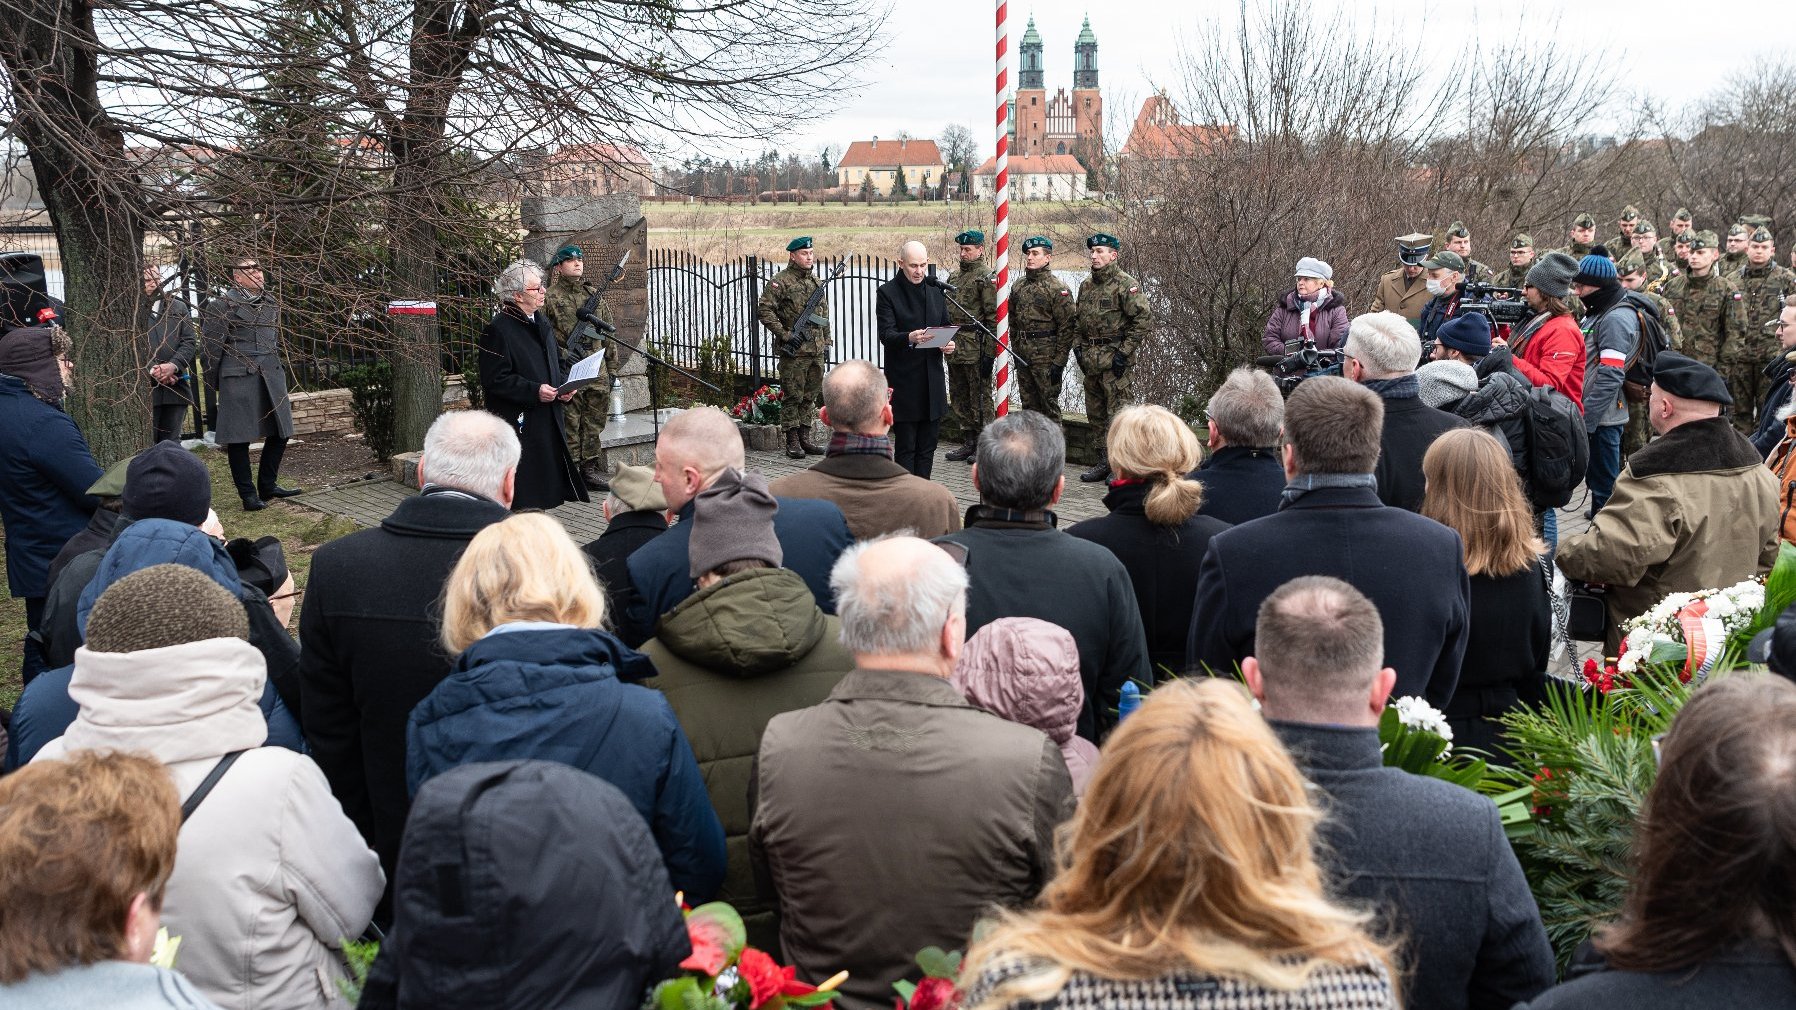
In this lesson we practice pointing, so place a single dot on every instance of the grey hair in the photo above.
(515, 278)
(853, 392)
(1247, 409)
(1385, 343)
(1021, 458)
(470, 450)
(904, 611)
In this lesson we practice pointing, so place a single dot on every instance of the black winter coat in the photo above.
(1162, 565)
(610, 554)
(1770, 429)
(1410, 567)
(1751, 974)
(919, 385)
(1241, 483)
(516, 357)
(1410, 427)
(1505, 657)
(524, 885)
(369, 652)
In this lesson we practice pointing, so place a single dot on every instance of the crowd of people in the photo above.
(874, 724)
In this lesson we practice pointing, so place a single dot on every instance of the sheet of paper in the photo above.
(939, 336)
(584, 372)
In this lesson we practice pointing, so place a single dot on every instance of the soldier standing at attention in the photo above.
(970, 366)
(1734, 259)
(1581, 237)
(1624, 240)
(1113, 322)
(1680, 226)
(1521, 258)
(240, 332)
(1764, 285)
(1712, 313)
(1405, 289)
(1045, 322)
(1652, 264)
(800, 357)
(1459, 242)
(588, 411)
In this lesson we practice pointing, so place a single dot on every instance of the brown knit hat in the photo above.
(160, 606)
(732, 520)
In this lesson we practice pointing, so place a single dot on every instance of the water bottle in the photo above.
(1131, 700)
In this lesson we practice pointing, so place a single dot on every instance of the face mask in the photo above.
(1435, 288)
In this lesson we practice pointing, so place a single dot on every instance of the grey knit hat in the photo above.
(163, 605)
(1439, 383)
(732, 520)
(1552, 276)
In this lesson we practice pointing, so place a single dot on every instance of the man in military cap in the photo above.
(1652, 265)
(800, 343)
(1044, 322)
(1734, 257)
(1581, 237)
(1405, 289)
(1114, 321)
(1680, 253)
(1681, 223)
(1521, 258)
(1622, 242)
(588, 411)
(1764, 284)
(1446, 272)
(975, 304)
(1459, 242)
(1712, 311)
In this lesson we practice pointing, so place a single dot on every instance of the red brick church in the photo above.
(1065, 124)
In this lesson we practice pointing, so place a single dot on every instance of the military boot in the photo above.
(806, 446)
(594, 476)
(966, 451)
(1099, 470)
(793, 449)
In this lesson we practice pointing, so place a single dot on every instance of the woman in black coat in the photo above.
(904, 306)
(520, 366)
(1153, 527)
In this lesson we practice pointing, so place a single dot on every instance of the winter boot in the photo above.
(794, 449)
(594, 477)
(805, 443)
(966, 451)
(1099, 470)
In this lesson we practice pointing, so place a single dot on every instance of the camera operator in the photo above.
(1446, 276)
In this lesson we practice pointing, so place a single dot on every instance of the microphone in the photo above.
(1269, 361)
(934, 281)
(593, 317)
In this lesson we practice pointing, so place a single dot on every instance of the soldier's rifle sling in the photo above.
(795, 337)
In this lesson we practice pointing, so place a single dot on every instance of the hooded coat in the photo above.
(1328, 323)
(729, 658)
(270, 875)
(554, 694)
(1027, 670)
(526, 885)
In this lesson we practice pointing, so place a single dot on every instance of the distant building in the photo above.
(1050, 177)
(596, 170)
(1064, 124)
(1160, 135)
(881, 161)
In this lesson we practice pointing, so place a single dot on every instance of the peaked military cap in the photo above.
(1103, 239)
(801, 242)
(1630, 213)
(565, 253)
(1583, 221)
(1760, 234)
(1458, 230)
(1412, 248)
(1682, 214)
(1038, 242)
(1690, 379)
(1522, 241)
(971, 236)
(1701, 240)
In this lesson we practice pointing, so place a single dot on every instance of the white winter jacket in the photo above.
(270, 875)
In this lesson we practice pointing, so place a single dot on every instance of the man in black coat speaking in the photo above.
(907, 305)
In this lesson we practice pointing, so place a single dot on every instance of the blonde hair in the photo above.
(1151, 443)
(1193, 849)
(524, 568)
(1473, 488)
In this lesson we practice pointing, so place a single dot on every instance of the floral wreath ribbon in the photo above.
(1701, 632)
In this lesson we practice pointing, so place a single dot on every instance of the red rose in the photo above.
(763, 976)
(933, 994)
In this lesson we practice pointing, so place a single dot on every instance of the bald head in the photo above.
(913, 260)
(902, 603)
(854, 398)
(696, 446)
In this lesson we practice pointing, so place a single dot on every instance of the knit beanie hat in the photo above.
(1467, 334)
(166, 481)
(163, 605)
(1552, 276)
(1597, 271)
(732, 520)
(1439, 383)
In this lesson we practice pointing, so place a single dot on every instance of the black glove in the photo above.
(1058, 372)
(986, 362)
(1119, 363)
(790, 345)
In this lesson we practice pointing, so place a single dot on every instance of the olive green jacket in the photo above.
(783, 299)
(1113, 311)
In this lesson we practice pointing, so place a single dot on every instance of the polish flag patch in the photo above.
(1612, 358)
(411, 308)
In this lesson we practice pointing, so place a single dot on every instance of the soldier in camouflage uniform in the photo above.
(1581, 237)
(1521, 258)
(1764, 284)
(1733, 260)
(1633, 274)
(1620, 243)
(800, 363)
(1712, 312)
(1044, 322)
(1655, 271)
(970, 366)
(588, 411)
(1681, 223)
(1114, 321)
(1459, 242)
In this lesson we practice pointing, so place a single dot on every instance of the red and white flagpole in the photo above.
(1001, 197)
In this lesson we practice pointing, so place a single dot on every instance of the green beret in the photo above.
(1760, 234)
(112, 483)
(1701, 240)
(1522, 241)
(1737, 228)
(1583, 221)
(565, 253)
(1038, 242)
(970, 237)
(1690, 379)
(1102, 239)
(801, 242)
(1458, 230)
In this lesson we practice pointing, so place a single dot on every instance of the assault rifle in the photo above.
(807, 316)
(579, 342)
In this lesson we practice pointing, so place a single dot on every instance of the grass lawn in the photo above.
(301, 530)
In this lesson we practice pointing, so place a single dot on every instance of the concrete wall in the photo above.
(603, 227)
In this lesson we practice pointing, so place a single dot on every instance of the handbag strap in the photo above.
(199, 793)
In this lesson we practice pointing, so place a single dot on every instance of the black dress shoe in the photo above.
(271, 493)
(253, 503)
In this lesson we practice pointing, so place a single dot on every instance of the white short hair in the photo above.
(470, 450)
(899, 613)
(1385, 343)
(515, 278)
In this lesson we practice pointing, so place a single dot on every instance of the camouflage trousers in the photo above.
(1746, 384)
(1039, 381)
(585, 418)
(1638, 432)
(801, 389)
(1105, 392)
(970, 397)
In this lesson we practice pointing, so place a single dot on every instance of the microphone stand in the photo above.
(948, 293)
(608, 332)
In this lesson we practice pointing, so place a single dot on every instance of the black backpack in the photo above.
(1558, 449)
(1653, 339)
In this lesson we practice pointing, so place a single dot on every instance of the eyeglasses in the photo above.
(248, 266)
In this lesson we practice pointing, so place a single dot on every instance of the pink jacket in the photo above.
(1027, 671)
(1328, 323)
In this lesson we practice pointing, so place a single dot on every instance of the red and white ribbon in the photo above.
(411, 308)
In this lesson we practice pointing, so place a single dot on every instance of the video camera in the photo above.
(1306, 362)
(1503, 306)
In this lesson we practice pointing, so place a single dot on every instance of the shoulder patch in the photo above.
(1134, 291)
(773, 284)
(1736, 296)
(1065, 293)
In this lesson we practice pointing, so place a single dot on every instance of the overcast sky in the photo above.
(936, 68)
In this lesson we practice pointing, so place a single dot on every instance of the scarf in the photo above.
(1403, 387)
(909, 300)
(1304, 483)
(847, 443)
(1600, 301)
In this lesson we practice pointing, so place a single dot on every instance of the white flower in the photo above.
(1418, 714)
